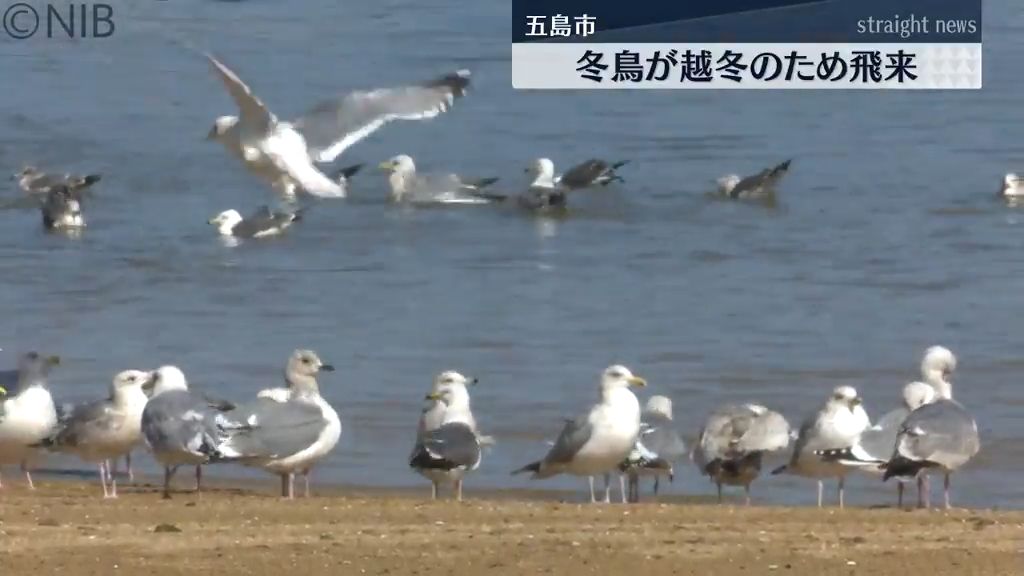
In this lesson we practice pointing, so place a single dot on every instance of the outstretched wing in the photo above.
(333, 126)
(253, 114)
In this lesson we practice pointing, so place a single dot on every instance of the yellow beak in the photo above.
(637, 381)
(434, 396)
(3, 391)
(386, 165)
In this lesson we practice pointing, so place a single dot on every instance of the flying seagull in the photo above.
(759, 186)
(34, 181)
(286, 153)
(260, 224)
(592, 172)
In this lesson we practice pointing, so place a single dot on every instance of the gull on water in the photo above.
(262, 223)
(104, 430)
(408, 185)
(733, 442)
(590, 173)
(941, 434)
(544, 193)
(759, 186)
(597, 442)
(62, 210)
(449, 451)
(27, 414)
(34, 181)
(874, 446)
(837, 425)
(286, 153)
(180, 426)
(286, 433)
(1013, 186)
(657, 448)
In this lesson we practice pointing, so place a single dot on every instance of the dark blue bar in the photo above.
(760, 21)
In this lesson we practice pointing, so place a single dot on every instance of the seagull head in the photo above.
(27, 171)
(35, 365)
(938, 365)
(306, 364)
(1011, 183)
(164, 379)
(917, 394)
(225, 221)
(845, 396)
(727, 183)
(221, 126)
(401, 164)
(660, 405)
(450, 378)
(131, 380)
(542, 171)
(618, 376)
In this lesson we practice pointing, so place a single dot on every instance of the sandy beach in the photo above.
(65, 526)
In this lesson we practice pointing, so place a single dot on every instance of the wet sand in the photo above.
(65, 526)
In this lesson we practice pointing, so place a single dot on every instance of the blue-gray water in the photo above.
(889, 237)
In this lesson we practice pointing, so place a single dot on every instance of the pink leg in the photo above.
(128, 464)
(103, 478)
(945, 486)
(842, 490)
(291, 486)
(113, 481)
(28, 475)
(305, 479)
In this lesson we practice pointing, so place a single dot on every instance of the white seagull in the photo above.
(448, 452)
(286, 432)
(104, 430)
(1013, 186)
(837, 425)
(27, 414)
(597, 442)
(286, 153)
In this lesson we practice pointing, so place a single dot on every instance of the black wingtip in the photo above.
(780, 470)
(620, 164)
(532, 467)
(903, 468)
(485, 182)
(456, 81)
(349, 171)
(784, 166)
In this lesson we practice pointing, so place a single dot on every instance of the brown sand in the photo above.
(67, 527)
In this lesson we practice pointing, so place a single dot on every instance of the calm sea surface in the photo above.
(888, 237)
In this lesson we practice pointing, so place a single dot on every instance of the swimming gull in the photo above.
(62, 210)
(597, 442)
(285, 153)
(104, 430)
(941, 434)
(874, 446)
(657, 448)
(34, 181)
(733, 442)
(759, 186)
(838, 424)
(289, 436)
(27, 414)
(589, 173)
(408, 185)
(262, 223)
(180, 426)
(1013, 186)
(544, 193)
(452, 449)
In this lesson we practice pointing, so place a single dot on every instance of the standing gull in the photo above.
(104, 430)
(35, 181)
(27, 414)
(733, 442)
(941, 434)
(180, 426)
(409, 186)
(452, 449)
(874, 446)
(597, 442)
(286, 433)
(260, 224)
(759, 186)
(657, 448)
(837, 425)
(286, 153)
(62, 210)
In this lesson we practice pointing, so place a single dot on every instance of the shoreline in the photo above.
(65, 525)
